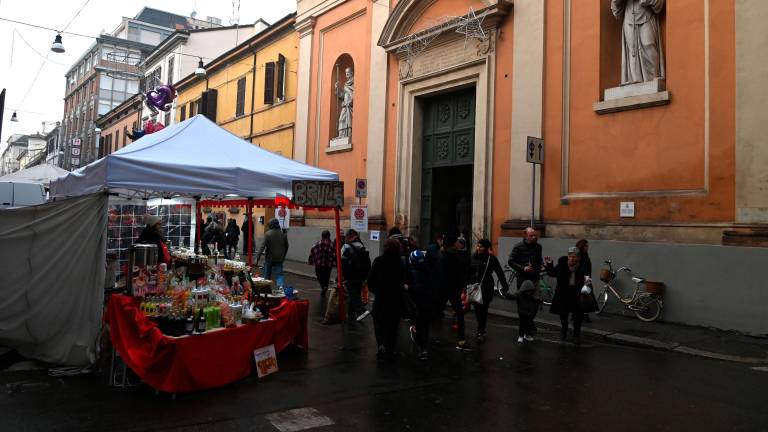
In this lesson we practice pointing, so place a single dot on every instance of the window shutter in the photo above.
(269, 83)
(240, 104)
(280, 77)
(183, 112)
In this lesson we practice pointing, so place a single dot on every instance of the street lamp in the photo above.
(200, 71)
(57, 46)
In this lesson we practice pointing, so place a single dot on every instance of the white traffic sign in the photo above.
(76, 142)
(359, 218)
(534, 150)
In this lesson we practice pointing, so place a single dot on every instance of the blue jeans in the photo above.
(274, 269)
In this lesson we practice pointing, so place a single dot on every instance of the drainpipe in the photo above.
(253, 95)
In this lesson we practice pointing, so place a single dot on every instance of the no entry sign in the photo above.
(359, 218)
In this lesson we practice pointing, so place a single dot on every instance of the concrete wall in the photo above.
(751, 94)
(713, 286)
(301, 240)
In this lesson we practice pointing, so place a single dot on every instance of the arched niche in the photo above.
(341, 101)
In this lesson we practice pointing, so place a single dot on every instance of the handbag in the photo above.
(475, 290)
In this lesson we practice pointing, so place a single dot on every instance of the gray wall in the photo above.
(713, 286)
(301, 240)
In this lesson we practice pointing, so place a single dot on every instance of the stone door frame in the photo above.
(408, 152)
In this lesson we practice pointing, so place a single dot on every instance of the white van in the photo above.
(15, 194)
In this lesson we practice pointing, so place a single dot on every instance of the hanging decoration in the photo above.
(160, 98)
(471, 26)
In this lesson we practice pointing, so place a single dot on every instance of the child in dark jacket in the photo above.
(527, 306)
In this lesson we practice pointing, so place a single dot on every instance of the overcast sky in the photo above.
(19, 62)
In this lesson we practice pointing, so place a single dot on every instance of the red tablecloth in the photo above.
(214, 359)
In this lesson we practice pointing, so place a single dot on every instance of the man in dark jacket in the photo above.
(353, 253)
(244, 230)
(451, 275)
(526, 258)
(275, 245)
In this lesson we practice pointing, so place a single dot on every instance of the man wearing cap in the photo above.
(153, 234)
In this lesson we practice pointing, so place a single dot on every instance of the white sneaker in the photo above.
(528, 338)
(520, 340)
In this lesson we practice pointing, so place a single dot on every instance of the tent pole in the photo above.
(198, 230)
(339, 273)
(249, 240)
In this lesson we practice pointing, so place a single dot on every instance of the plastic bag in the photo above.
(586, 289)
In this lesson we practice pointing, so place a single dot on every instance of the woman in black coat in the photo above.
(386, 281)
(481, 270)
(567, 299)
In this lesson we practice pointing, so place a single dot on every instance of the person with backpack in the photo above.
(355, 265)
(420, 289)
(451, 276)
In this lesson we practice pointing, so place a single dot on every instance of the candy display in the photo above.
(196, 294)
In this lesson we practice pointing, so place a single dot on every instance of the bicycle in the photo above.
(646, 305)
(546, 291)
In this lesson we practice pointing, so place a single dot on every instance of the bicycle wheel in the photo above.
(647, 308)
(602, 300)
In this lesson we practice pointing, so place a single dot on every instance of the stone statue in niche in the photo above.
(642, 56)
(345, 96)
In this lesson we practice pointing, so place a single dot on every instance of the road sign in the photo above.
(75, 151)
(359, 218)
(312, 193)
(534, 150)
(361, 188)
(76, 142)
(627, 209)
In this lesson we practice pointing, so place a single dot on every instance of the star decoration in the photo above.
(471, 26)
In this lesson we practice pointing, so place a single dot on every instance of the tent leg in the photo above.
(198, 228)
(339, 273)
(249, 240)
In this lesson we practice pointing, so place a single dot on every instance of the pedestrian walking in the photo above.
(232, 236)
(274, 247)
(386, 281)
(482, 268)
(567, 299)
(526, 258)
(586, 265)
(420, 289)
(451, 276)
(527, 307)
(244, 229)
(356, 264)
(323, 257)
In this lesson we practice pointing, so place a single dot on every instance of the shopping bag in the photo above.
(465, 301)
(332, 307)
(475, 293)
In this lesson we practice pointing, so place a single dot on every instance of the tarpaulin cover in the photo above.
(52, 278)
(41, 174)
(194, 157)
(198, 362)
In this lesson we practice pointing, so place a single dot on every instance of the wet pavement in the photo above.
(338, 385)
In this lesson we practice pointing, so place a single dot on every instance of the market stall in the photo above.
(197, 303)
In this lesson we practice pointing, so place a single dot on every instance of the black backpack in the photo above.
(360, 262)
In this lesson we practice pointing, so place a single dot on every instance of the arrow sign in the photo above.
(534, 150)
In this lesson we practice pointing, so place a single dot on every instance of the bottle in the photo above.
(189, 327)
(201, 322)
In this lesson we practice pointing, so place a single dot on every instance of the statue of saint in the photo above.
(346, 95)
(642, 56)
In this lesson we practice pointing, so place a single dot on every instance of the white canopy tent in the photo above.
(193, 158)
(41, 174)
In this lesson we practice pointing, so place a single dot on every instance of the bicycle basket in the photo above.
(606, 275)
(656, 288)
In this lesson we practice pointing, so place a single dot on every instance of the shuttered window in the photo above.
(280, 77)
(269, 83)
(183, 112)
(240, 103)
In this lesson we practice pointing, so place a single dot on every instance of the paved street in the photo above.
(500, 386)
